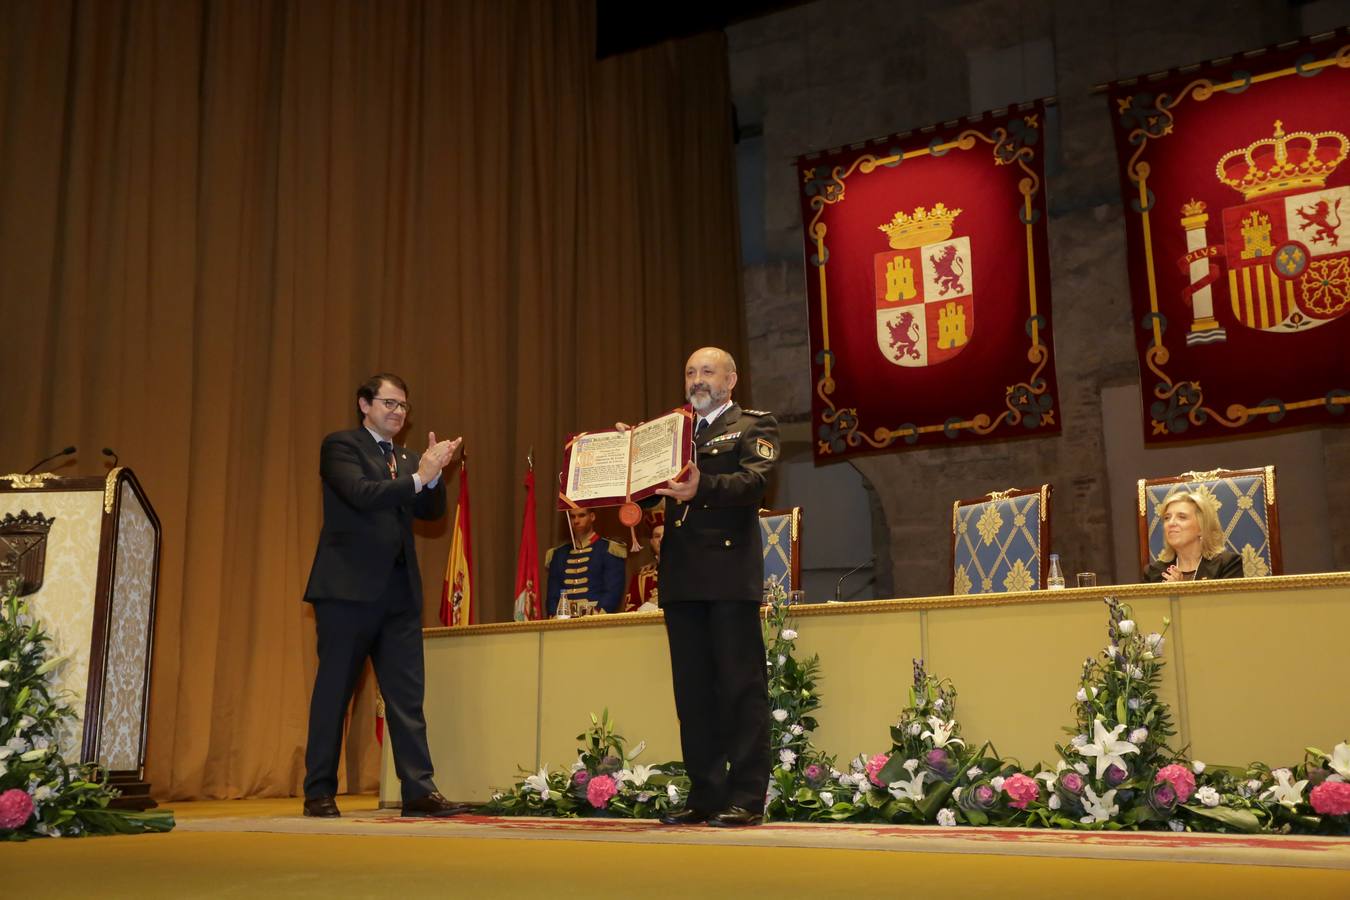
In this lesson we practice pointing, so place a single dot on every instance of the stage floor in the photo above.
(265, 848)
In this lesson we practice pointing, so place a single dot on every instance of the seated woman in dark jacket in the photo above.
(1192, 541)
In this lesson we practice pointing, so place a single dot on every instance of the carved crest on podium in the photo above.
(23, 550)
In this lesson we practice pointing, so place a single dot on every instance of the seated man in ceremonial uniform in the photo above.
(588, 569)
(642, 596)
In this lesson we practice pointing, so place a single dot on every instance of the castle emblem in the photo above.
(1286, 248)
(924, 289)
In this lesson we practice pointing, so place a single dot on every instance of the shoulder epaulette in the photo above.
(617, 549)
(548, 557)
(756, 412)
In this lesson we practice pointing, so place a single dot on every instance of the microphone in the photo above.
(46, 459)
(108, 451)
(840, 584)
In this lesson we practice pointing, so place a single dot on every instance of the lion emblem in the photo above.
(905, 337)
(1318, 217)
(949, 269)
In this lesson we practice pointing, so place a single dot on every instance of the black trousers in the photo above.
(389, 632)
(722, 700)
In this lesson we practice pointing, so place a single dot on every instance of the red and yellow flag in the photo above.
(527, 560)
(457, 589)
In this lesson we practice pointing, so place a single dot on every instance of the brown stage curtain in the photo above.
(216, 218)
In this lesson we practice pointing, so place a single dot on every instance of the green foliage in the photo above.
(35, 719)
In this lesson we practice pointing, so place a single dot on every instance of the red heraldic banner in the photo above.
(929, 287)
(1238, 220)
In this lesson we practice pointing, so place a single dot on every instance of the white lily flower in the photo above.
(538, 783)
(1339, 760)
(637, 751)
(1098, 809)
(911, 765)
(1285, 790)
(672, 793)
(638, 777)
(941, 732)
(1107, 747)
(913, 789)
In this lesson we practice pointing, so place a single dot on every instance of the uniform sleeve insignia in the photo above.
(617, 549)
(764, 448)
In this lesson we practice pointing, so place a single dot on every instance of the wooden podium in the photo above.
(85, 551)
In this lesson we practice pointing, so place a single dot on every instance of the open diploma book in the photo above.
(607, 468)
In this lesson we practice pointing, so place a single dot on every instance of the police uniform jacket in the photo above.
(712, 551)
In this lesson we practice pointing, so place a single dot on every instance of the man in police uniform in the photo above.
(588, 569)
(711, 583)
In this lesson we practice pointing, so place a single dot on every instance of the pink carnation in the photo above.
(1021, 790)
(1330, 798)
(15, 808)
(874, 767)
(600, 789)
(1180, 778)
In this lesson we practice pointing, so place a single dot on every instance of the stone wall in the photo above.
(838, 71)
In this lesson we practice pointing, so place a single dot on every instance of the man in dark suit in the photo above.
(711, 583)
(366, 591)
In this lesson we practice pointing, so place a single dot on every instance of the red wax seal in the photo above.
(630, 514)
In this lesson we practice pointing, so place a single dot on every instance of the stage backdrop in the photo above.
(1238, 220)
(929, 288)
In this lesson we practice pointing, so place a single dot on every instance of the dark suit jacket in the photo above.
(712, 551)
(367, 518)
(1226, 565)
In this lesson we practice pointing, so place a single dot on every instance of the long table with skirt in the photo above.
(1255, 671)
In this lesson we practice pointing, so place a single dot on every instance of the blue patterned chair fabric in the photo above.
(999, 542)
(779, 531)
(1245, 499)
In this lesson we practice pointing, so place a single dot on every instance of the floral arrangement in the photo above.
(40, 795)
(800, 772)
(1117, 771)
(604, 781)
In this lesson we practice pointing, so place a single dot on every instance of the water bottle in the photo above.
(565, 605)
(1054, 577)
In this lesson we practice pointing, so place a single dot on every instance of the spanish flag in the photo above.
(457, 589)
(527, 560)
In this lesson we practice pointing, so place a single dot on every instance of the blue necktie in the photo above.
(388, 450)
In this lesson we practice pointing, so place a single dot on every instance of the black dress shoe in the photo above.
(433, 805)
(321, 807)
(684, 816)
(735, 817)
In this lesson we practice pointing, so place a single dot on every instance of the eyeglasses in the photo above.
(391, 404)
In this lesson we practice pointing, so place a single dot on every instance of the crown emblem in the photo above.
(1283, 162)
(924, 227)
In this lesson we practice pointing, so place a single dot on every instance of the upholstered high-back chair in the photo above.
(1245, 499)
(780, 531)
(1001, 542)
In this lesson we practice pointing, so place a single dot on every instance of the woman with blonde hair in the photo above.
(1192, 541)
